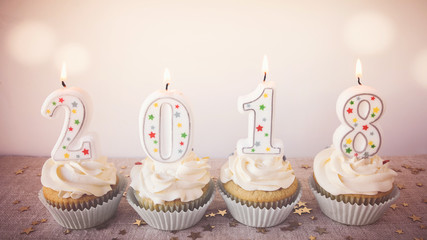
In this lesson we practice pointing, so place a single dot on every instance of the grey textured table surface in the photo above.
(25, 186)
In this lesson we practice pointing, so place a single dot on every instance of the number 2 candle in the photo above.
(358, 108)
(259, 104)
(165, 125)
(69, 146)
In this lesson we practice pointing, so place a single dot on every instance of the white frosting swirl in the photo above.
(75, 178)
(340, 175)
(255, 172)
(162, 182)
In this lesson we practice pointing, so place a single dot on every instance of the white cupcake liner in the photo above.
(171, 220)
(352, 214)
(86, 218)
(256, 216)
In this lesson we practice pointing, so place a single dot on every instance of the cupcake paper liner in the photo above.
(352, 214)
(87, 218)
(172, 220)
(259, 216)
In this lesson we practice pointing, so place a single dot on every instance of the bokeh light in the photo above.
(30, 42)
(369, 33)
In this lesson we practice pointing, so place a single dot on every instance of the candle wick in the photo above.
(167, 86)
(358, 81)
(63, 84)
(265, 76)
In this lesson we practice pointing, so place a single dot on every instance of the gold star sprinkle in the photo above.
(35, 223)
(320, 230)
(210, 214)
(399, 231)
(67, 231)
(393, 206)
(415, 218)
(23, 209)
(298, 211)
(301, 204)
(419, 184)
(222, 212)
(405, 204)
(313, 218)
(137, 222)
(16, 202)
(123, 167)
(25, 167)
(312, 237)
(20, 171)
(401, 186)
(194, 235)
(423, 227)
(43, 220)
(306, 210)
(28, 230)
(261, 230)
(305, 166)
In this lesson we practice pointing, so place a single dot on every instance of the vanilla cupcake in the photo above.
(346, 187)
(259, 190)
(171, 196)
(81, 193)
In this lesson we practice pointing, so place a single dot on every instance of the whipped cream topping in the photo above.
(162, 182)
(338, 174)
(75, 178)
(258, 172)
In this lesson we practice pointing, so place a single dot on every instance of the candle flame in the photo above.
(265, 65)
(358, 69)
(166, 77)
(63, 72)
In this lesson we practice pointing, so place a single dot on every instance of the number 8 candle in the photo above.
(71, 100)
(358, 108)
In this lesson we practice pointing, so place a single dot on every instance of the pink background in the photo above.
(117, 52)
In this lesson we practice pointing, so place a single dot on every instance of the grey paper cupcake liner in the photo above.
(172, 220)
(87, 218)
(257, 216)
(352, 214)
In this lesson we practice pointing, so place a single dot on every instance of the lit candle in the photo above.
(259, 104)
(69, 145)
(165, 124)
(358, 108)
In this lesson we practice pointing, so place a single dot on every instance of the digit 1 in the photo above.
(73, 123)
(260, 123)
(165, 128)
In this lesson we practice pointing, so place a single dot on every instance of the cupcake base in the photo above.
(352, 214)
(259, 216)
(87, 218)
(172, 220)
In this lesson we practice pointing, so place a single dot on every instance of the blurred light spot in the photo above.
(76, 57)
(369, 33)
(419, 69)
(30, 42)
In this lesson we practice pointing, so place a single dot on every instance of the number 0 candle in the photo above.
(260, 105)
(358, 108)
(69, 146)
(165, 125)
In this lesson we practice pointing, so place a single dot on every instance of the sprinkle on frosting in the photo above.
(162, 182)
(255, 172)
(338, 174)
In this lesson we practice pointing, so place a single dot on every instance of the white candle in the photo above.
(165, 125)
(69, 146)
(260, 105)
(358, 108)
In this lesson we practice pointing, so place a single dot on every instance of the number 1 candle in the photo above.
(165, 125)
(358, 108)
(69, 146)
(260, 105)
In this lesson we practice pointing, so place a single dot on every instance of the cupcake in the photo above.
(171, 196)
(352, 191)
(81, 193)
(259, 190)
